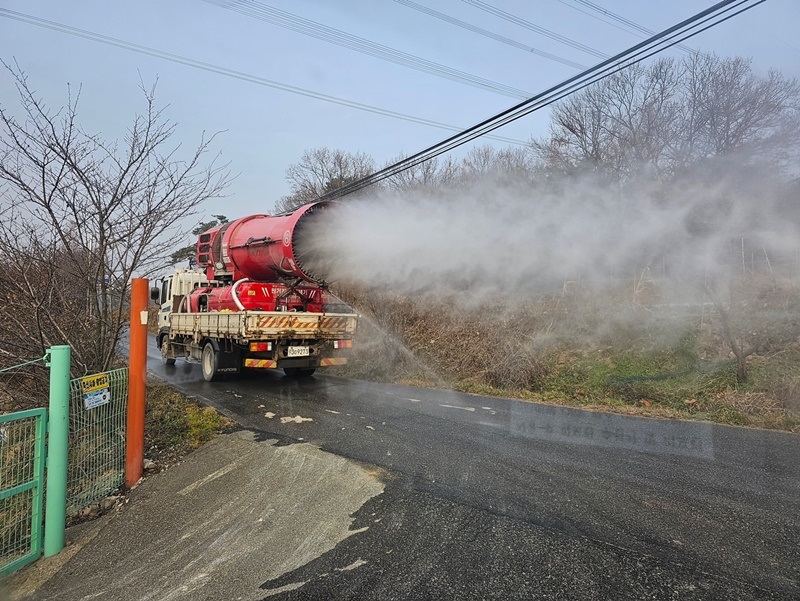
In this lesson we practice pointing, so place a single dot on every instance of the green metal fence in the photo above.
(22, 458)
(84, 460)
(97, 421)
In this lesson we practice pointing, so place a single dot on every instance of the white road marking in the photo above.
(457, 407)
(414, 400)
(334, 412)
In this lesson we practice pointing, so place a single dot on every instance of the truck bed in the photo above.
(245, 326)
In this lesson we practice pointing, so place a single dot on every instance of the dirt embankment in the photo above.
(624, 350)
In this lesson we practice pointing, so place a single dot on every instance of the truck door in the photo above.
(166, 303)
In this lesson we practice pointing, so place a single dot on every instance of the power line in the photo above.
(615, 17)
(716, 14)
(533, 27)
(263, 12)
(593, 16)
(489, 34)
(641, 30)
(189, 62)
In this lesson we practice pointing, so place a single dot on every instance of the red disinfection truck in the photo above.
(256, 299)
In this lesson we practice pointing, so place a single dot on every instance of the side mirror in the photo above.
(155, 293)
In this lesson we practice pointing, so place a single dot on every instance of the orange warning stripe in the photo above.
(333, 361)
(290, 321)
(334, 322)
(260, 363)
(274, 322)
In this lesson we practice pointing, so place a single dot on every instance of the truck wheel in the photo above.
(299, 372)
(210, 362)
(163, 344)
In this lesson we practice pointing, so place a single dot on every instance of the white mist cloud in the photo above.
(505, 239)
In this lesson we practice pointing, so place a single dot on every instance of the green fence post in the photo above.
(57, 447)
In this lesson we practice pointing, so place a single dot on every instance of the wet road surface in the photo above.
(489, 498)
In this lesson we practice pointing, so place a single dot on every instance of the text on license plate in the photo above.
(297, 351)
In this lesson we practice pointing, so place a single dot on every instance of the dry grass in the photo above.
(175, 424)
(604, 352)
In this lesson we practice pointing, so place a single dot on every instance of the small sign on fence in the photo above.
(96, 390)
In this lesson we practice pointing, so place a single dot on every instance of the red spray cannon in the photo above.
(266, 248)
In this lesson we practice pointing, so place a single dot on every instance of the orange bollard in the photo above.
(137, 378)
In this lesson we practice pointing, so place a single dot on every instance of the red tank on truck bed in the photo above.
(257, 296)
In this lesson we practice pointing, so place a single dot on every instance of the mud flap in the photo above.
(228, 361)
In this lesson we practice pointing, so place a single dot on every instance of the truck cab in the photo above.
(172, 292)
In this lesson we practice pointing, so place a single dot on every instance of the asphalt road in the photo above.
(489, 498)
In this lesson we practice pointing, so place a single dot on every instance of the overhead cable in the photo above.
(489, 34)
(189, 62)
(533, 27)
(716, 14)
(287, 20)
(639, 29)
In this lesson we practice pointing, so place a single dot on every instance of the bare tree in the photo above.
(480, 161)
(322, 170)
(80, 216)
(669, 115)
(515, 164)
(709, 137)
(487, 161)
(616, 126)
(734, 110)
(432, 173)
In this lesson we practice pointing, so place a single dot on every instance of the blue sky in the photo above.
(266, 129)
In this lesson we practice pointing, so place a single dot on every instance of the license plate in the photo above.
(297, 351)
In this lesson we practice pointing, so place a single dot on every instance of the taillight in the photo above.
(342, 344)
(260, 347)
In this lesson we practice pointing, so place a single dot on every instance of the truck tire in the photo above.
(209, 361)
(299, 372)
(163, 346)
